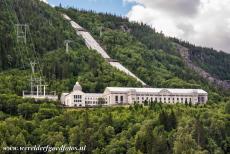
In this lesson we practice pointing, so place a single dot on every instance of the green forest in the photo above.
(216, 63)
(140, 128)
(151, 128)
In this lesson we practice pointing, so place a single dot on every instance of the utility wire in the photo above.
(36, 57)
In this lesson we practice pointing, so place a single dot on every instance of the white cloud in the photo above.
(44, 1)
(203, 22)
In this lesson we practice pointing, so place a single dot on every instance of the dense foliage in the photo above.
(156, 128)
(216, 63)
(152, 128)
(45, 43)
(46, 31)
(85, 66)
(145, 52)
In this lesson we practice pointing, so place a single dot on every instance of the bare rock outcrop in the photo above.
(184, 52)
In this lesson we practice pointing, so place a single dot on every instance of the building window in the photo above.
(77, 98)
(116, 99)
(182, 99)
(121, 99)
(190, 100)
(202, 99)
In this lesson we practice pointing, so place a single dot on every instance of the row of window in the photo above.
(77, 96)
(164, 99)
(92, 102)
(77, 101)
(200, 99)
(117, 99)
(93, 98)
(162, 95)
(120, 99)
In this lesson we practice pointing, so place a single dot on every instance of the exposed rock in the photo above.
(125, 29)
(184, 52)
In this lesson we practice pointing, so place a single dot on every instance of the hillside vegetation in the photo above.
(150, 55)
(148, 128)
(212, 61)
(48, 30)
(156, 128)
(216, 63)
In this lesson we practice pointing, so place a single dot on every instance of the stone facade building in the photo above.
(129, 95)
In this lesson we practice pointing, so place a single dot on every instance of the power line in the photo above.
(36, 83)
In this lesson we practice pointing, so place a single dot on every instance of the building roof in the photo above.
(156, 90)
(94, 94)
(77, 87)
(65, 94)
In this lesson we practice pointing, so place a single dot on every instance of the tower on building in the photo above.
(77, 87)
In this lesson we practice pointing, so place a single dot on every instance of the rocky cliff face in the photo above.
(184, 53)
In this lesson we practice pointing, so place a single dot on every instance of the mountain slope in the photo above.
(148, 54)
(216, 63)
(185, 54)
(155, 62)
(153, 128)
(91, 43)
(48, 30)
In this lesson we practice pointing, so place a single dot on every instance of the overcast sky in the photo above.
(203, 22)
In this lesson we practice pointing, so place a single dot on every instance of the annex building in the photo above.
(129, 95)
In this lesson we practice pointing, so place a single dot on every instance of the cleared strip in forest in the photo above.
(91, 43)
(122, 68)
